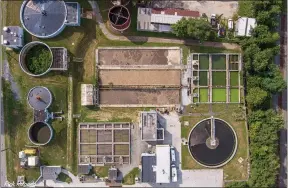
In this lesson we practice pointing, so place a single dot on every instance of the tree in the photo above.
(256, 97)
(199, 29)
(180, 28)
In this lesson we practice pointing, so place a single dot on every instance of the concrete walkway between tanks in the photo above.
(110, 36)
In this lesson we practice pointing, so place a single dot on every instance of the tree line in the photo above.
(263, 79)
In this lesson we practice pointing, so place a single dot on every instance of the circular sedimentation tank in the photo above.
(211, 152)
(43, 18)
(39, 98)
(36, 58)
(40, 133)
(119, 18)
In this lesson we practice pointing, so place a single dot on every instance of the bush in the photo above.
(199, 29)
(38, 59)
(64, 178)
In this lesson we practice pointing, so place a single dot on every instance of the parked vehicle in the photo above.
(173, 154)
(174, 173)
(230, 24)
(213, 20)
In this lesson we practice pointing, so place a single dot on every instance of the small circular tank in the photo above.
(39, 98)
(40, 133)
(119, 18)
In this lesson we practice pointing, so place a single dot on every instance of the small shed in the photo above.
(244, 26)
(113, 174)
(33, 161)
(84, 169)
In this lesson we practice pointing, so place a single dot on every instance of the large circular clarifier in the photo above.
(43, 18)
(40, 133)
(212, 151)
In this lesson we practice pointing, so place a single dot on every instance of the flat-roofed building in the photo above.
(149, 127)
(161, 19)
(89, 95)
(148, 170)
(12, 37)
(163, 164)
(244, 26)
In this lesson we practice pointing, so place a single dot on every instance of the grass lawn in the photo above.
(203, 78)
(219, 62)
(233, 170)
(234, 95)
(101, 171)
(219, 95)
(129, 179)
(234, 79)
(219, 78)
(203, 62)
(203, 93)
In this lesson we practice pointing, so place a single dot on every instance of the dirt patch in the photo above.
(104, 149)
(140, 77)
(104, 136)
(121, 149)
(139, 96)
(121, 135)
(88, 136)
(139, 56)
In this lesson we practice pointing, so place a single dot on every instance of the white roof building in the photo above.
(244, 26)
(33, 161)
(88, 95)
(163, 164)
(160, 20)
(12, 37)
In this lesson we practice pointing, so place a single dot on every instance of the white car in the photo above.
(230, 24)
(173, 154)
(174, 173)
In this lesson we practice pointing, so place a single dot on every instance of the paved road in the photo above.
(3, 169)
(110, 36)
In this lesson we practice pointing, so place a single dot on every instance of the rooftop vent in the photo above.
(5, 42)
(6, 29)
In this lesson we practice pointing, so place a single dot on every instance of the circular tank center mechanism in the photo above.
(40, 133)
(212, 142)
(39, 98)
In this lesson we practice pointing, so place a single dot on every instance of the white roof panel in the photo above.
(241, 26)
(251, 23)
(163, 164)
(165, 19)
